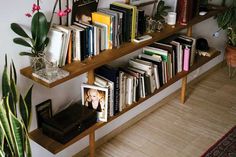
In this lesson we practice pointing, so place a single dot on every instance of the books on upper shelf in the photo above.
(133, 17)
(101, 18)
(95, 97)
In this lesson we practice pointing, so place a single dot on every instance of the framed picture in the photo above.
(43, 111)
(96, 98)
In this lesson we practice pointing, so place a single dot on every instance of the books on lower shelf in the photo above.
(42, 75)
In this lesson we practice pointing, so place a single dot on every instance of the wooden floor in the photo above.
(177, 130)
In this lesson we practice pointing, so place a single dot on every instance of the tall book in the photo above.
(126, 21)
(134, 17)
(184, 11)
(111, 74)
(104, 19)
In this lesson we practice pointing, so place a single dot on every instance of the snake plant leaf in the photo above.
(5, 82)
(2, 153)
(17, 134)
(14, 71)
(27, 146)
(23, 111)
(39, 29)
(21, 41)
(13, 96)
(6, 128)
(2, 135)
(28, 101)
(224, 19)
(18, 30)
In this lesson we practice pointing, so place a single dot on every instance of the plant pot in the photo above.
(37, 63)
(230, 56)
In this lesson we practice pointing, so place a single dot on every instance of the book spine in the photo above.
(186, 59)
(182, 12)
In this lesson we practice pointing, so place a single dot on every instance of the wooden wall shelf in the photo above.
(55, 147)
(78, 68)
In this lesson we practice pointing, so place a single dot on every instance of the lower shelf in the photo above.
(55, 147)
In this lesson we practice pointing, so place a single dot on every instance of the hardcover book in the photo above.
(111, 74)
(126, 22)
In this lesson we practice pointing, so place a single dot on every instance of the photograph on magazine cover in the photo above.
(96, 98)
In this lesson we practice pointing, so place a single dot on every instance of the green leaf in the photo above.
(24, 111)
(5, 82)
(5, 125)
(27, 54)
(28, 101)
(18, 30)
(13, 96)
(2, 153)
(39, 29)
(21, 41)
(2, 135)
(14, 71)
(27, 146)
(17, 134)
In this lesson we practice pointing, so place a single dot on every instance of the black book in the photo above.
(111, 74)
(141, 22)
(126, 23)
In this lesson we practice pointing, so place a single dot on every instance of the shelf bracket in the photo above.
(183, 89)
(92, 144)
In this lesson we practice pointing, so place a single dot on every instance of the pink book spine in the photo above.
(186, 59)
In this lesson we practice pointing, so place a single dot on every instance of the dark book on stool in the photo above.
(70, 122)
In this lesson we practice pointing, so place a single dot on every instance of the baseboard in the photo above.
(140, 116)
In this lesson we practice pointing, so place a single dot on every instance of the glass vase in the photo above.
(37, 63)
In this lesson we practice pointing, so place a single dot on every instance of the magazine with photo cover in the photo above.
(95, 97)
(82, 10)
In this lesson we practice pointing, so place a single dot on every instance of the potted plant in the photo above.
(227, 21)
(14, 125)
(38, 40)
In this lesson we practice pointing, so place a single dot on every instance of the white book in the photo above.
(77, 42)
(67, 31)
(129, 90)
(55, 45)
(156, 75)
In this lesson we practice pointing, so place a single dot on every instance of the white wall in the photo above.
(14, 10)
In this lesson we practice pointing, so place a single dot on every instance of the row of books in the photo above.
(109, 27)
(150, 70)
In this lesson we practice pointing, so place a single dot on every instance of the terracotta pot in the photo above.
(230, 55)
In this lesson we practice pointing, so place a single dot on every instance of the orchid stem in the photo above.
(60, 10)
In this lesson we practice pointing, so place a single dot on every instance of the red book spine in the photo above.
(184, 11)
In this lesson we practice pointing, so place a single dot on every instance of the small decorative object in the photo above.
(151, 25)
(171, 18)
(38, 40)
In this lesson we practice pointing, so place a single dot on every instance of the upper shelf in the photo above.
(77, 68)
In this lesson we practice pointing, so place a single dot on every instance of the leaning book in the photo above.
(96, 98)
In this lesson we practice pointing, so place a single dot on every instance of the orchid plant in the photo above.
(38, 39)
